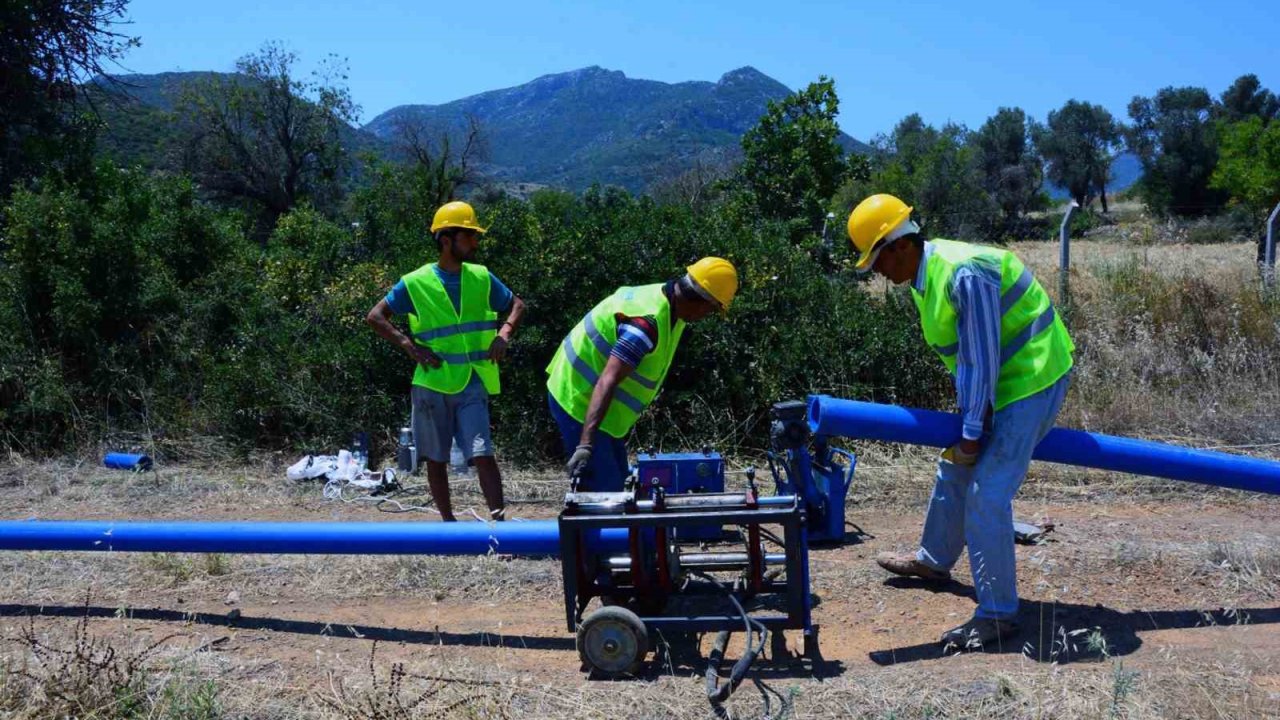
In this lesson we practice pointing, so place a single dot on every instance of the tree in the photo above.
(793, 162)
(934, 170)
(1247, 97)
(442, 161)
(1008, 162)
(1248, 166)
(1174, 136)
(47, 50)
(1078, 142)
(268, 138)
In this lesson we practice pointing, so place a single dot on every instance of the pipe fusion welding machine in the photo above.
(698, 558)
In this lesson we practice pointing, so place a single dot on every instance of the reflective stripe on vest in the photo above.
(1007, 300)
(1035, 347)
(583, 354)
(459, 337)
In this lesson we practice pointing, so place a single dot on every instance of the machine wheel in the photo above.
(612, 642)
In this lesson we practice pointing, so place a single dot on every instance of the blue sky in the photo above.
(946, 61)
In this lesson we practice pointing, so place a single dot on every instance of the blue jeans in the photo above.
(974, 505)
(608, 468)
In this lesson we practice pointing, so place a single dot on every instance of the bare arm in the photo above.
(379, 318)
(615, 371)
(498, 348)
(514, 318)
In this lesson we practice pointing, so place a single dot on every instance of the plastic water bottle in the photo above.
(404, 456)
(360, 450)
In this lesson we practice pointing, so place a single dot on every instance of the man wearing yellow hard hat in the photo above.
(612, 364)
(456, 342)
(996, 330)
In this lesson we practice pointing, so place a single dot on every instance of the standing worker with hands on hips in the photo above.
(456, 341)
(996, 330)
(612, 364)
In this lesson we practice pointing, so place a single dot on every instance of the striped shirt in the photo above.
(637, 337)
(975, 294)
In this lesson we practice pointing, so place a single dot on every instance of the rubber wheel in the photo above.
(612, 642)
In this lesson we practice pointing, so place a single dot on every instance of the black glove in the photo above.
(579, 461)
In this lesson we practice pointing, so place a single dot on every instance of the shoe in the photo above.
(907, 565)
(977, 633)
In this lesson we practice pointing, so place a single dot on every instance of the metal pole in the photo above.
(826, 242)
(1269, 252)
(1064, 262)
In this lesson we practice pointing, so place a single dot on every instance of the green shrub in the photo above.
(136, 307)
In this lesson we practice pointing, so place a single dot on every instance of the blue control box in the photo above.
(682, 473)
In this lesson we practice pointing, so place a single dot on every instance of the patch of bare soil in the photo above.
(1135, 606)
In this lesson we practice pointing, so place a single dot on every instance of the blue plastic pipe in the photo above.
(889, 423)
(127, 461)
(538, 537)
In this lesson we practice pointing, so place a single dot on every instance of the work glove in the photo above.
(579, 461)
(957, 455)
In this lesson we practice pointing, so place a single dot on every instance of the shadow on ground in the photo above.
(1062, 633)
(300, 627)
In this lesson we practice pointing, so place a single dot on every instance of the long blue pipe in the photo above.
(889, 423)
(537, 537)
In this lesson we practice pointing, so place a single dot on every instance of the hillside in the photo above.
(140, 128)
(594, 125)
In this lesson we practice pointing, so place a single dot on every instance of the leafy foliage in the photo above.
(266, 137)
(46, 48)
(1009, 163)
(1078, 143)
(1248, 168)
(935, 171)
(1173, 134)
(792, 162)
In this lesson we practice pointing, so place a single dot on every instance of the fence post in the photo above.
(1064, 258)
(1269, 250)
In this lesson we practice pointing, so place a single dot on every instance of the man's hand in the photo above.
(424, 357)
(579, 461)
(964, 453)
(498, 349)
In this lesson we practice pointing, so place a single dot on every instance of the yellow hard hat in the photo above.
(876, 219)
(716, 280)
(456, 214)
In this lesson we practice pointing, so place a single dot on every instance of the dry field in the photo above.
(1151, 599)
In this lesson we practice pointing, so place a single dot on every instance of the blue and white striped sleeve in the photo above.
(975, 294)
(633, 344)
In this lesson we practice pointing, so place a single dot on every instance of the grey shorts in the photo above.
(439, 419)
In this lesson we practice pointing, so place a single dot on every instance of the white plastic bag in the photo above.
(312, 467)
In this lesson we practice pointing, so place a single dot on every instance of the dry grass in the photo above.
(183, 687)
(1175, 341)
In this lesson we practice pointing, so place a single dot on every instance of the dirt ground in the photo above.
(1147, 600)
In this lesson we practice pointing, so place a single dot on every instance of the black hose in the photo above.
(718, 692)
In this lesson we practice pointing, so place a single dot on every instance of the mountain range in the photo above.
(593, 125)
(568, 130)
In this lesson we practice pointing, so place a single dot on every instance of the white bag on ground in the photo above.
(312, 467)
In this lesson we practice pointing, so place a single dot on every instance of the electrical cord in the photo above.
(718, 692)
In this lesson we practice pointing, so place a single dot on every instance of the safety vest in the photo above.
(460, 338)
(577, 365)
(1035, 349)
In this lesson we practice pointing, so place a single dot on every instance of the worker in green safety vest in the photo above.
(996, 330)
(456, 342)
(610, 367)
